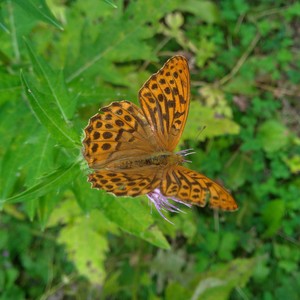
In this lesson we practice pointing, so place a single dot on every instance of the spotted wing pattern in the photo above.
(122, 143)
(189, 186)
(119, 131)
(165, 99)
(127, 183)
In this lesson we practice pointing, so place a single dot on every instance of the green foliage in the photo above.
(60, 61)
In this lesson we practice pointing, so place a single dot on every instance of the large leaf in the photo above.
(39, 10)
(86, 248)
(55, 180)
(52, 83)
(133, 217)
(121, 38)
(84, 238)
(130, 214)
(48, 114)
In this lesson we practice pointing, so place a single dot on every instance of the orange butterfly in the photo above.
(131, 149)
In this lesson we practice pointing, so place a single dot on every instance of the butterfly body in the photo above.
(161, 159)
(131, 149)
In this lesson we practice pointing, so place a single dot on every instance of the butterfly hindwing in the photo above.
(192, 187)
(126, 183)
(165, 99)
(119, 131)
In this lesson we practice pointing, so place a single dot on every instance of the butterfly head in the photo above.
(184, 153)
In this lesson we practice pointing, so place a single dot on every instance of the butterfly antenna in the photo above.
(186, 152)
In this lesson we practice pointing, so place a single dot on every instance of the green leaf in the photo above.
(176, 291)
(86, 248)
(237, 171)
(10, 87)
(133, 217)
(272, 215)
(200, 117)
(205, 51)
(218, 284)
(52, 83)
(293, 163)
(130, 214)
(110, 3)
(241, 85)
(84, 237)
(206, 11)
(49, 182)
(227, 245)
(48, 114)
(272, 135)
(39, 10)
(15, 133)
(121, 38)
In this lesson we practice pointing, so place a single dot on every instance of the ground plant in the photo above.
(62, 60)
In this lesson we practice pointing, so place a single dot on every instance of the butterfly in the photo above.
(131, 149)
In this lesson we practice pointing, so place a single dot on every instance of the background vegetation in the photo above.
(60, 61)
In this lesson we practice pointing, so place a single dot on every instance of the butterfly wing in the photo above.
(127, 183)
(165, 99)
(119, 131)
(189, 186)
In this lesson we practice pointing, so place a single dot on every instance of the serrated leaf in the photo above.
(68, 211)
(64, 213)
(84, 237)
(130, 214)
(121, 38)
(133, 217)
(39, 10)
(15, 135)
(47, 183)
(154, 236)
(86, 248)
(49, 116)
(53, 84)
(42, 160)
(214, 97)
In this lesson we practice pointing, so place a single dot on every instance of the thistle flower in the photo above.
(162, 203)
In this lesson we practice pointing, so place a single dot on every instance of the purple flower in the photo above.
(162, 203)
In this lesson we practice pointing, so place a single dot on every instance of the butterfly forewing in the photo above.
(120, 131)
(189, 186)
(165, 100)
